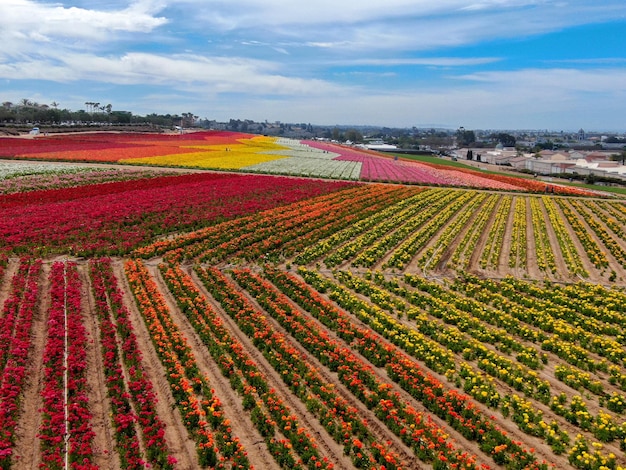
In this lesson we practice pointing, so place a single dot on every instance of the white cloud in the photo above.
(556, 81)
(37, 20)
(398, 24)
(109, 44)
(427, 61)
(183, 71)
(569, 99)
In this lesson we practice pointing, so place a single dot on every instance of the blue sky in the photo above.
(484, 64)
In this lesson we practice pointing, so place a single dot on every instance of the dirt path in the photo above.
(5, 283)
(27, 447)
(105, 455)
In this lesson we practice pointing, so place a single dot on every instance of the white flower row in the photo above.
(16, 169)
(307, 166)
(298, 149)
(307, 161)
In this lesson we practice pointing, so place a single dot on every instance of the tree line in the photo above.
(27, 112)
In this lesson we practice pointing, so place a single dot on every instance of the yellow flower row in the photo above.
(228, 156)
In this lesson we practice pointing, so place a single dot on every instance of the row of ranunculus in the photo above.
(553, 333)
(15, 346)
(34, 148)
(415, 241)
(374, 244)
(519, 245)
(570, 331)
(610, 240)
(617, 212)
(26, 177)
(492, 250)
(400, 228)
(544, 253)
(378, 167)
(338, 249)
(593, 251)
(117, 217)
(566, 243)
(425, 438)
(66, 431)
(485, 325)
(200, 408)
(464, 250)
(314, 251)
(300, 163)
(281, 230)
(573, 353)
(602, 425)
(266, 409)
(234, 155)
(112, 147)
(465, 334)
(130, 392)
(303, 226)
(273, 233)
(457, 409)
(434, 254)
(525, 184)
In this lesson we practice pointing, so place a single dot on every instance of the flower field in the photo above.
(233, 321)
(114, 217)
(222, 150)
(19, 177)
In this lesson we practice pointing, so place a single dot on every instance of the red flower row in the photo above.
(111, 147)
(117, 217)
(15, 345)
(66, 424)
(126, 381)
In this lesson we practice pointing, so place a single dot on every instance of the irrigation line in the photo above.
(430, 259)
(65, 372)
